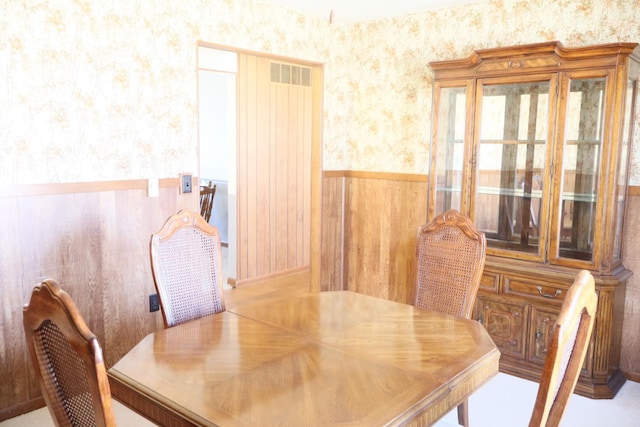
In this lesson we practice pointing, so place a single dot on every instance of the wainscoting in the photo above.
(94, 239)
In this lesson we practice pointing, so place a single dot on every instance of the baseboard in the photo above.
(295, 274)
(21, 408)
(632, 376)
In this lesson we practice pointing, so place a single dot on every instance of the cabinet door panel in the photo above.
(448, 149)
(506, 323)
(512, 152)
(542, 321)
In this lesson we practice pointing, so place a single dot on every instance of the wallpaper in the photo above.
(107, 90)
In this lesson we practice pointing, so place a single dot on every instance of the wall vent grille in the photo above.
(290, 74)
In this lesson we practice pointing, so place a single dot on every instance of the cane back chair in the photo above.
(566, 352)
(67, 359)
(450, 254)
(186, 261)
(207, 193)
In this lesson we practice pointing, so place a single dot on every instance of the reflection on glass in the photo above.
(581, 167)
(621, 189)
(511, 157)
(449, 146)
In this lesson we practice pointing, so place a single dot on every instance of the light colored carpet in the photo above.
(41, 418)
(507, 401)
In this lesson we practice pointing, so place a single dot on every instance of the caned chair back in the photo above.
(450, 254)
(186, 261)
(67, 359)
(207, 194)
(566, 352)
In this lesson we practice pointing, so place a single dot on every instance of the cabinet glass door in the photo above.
(582, 157)
(448, 147)
(513, 134)
(621, 183)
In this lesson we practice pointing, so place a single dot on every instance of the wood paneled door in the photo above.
(276, 108)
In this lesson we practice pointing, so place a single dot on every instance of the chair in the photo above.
(566, 352)
(450, 255)
(67, 359)
(206, 200)
(186, 261)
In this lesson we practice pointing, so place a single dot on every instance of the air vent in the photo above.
(290, 74)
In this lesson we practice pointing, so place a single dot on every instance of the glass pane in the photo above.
(581, 167)
(449, 146)
(621, 190)
(510, 163)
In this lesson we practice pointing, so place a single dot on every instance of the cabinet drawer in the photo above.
(490, 282)
(506, 323)
(547, 291)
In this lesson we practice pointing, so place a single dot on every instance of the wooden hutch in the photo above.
(532, 143)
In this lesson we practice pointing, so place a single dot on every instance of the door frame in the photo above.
(317, 85)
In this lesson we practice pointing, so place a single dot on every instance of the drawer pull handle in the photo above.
(513, 343)
(557, 292)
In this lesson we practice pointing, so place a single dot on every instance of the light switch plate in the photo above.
(185, 183)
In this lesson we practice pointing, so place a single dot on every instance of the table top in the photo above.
(329, 358)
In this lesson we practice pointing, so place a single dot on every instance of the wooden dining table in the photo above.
(316, 359)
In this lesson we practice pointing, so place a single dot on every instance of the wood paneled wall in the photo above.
(372, 250)
(94, 239)
(369, 225)
(630, 353)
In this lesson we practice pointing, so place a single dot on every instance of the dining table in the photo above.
(335, 358)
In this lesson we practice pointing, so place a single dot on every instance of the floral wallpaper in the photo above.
(96, 90)
(107, 90)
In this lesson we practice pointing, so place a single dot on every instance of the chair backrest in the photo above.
(566, 352)
(207, 194)
(186, 261)
(67, 359)
(450, 255)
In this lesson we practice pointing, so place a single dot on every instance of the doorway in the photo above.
(217, 74)
(268, 117)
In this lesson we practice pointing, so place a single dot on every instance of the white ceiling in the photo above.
(352, 11)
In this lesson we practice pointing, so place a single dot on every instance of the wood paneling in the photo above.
(332, 259)
(630, 353)
(275, 137)
(381, 217)
(95, 241)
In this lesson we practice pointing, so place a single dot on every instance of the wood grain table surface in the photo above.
(326, 359)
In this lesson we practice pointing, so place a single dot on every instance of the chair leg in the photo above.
(463, 413)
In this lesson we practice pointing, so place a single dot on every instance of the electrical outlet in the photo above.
(154, 303)
(185, 183)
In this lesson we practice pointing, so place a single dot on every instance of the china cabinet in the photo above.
(532, 143)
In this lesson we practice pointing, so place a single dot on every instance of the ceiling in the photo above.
(352, 11)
